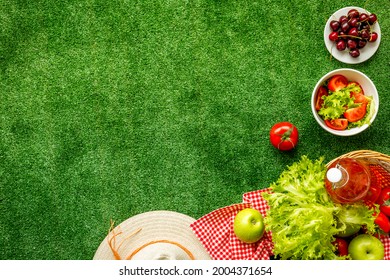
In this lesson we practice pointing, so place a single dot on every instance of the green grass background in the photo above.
(113, 108)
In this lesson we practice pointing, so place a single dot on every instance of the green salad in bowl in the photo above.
(345, 102)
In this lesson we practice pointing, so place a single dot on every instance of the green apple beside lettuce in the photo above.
(303, 219)
(249, 225)
(366, 247)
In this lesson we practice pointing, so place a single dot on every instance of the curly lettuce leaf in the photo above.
(356, 214)
(335, 104)
(354, 87)
(301, 215)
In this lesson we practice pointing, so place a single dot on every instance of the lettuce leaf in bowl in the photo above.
(335, 105)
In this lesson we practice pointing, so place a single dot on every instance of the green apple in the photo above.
(366, 247)
(249, 225)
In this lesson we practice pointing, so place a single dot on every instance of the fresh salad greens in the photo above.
(302, 217)
(342, 104)
(335, 104)
(355, 214)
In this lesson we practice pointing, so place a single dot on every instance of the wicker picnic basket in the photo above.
(371, 156)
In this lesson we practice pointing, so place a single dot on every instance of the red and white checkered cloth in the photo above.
(386, 241)
(215, 232)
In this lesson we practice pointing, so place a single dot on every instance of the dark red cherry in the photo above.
(365, 34)
(334, 25)
(333, 36)
(353, 32)
(353, 13)
(344, 26)
(341, 45)
(343, 18)
(361, 44)
(373, 37)
(353, 22)
(372, 18)
(363, 17)
(354, 53)
(351, 44)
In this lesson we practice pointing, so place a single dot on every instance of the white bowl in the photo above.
(366, 53)
(369, 90)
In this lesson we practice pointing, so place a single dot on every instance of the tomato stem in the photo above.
(287, 134)
(286, 137)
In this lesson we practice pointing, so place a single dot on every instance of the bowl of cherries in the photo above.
(352, 35)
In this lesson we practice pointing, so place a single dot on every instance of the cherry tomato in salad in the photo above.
(337, 124)
(383, 222)
(322, 91)
(359, 98)
(284, 136)
(341, 246)
(356, 114)
(337, 82)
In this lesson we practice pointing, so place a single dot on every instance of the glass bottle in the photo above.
(347, 180)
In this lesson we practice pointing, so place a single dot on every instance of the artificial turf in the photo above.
(113, 108)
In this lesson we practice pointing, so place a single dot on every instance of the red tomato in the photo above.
(341, 246)
(385, 209)
(383, 222)
(384, 196)
(322, 91)
(356, 114)
(384, 201)
(359, 98)
(337, 124)
(337, 82)
(284, 136)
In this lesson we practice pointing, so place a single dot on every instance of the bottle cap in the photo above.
(334, 175)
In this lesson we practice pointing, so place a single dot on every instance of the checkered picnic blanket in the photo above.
(215, 232)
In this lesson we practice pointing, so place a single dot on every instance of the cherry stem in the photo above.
(349, 36)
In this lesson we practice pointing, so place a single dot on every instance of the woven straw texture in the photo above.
(367, 155)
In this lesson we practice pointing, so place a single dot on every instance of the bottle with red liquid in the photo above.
(347, 180)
